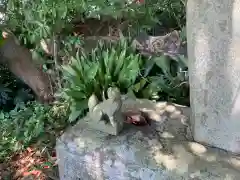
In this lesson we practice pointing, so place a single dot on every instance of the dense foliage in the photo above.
(35, 20)
(108, 65)
(28, 124)
(25, 122)
(118, 65)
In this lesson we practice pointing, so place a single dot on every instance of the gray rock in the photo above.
(213, 35)
(160, 151)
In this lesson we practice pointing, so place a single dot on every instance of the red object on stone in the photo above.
(136, 118)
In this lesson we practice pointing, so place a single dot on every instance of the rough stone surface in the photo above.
(213, 29)
(162, 151)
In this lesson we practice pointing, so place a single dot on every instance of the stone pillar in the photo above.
(213, 32)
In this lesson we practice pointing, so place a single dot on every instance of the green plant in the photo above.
(37, 20)
(33, 21)
(173, 10)
(28, 124)
(118, 65)
(164, 78)
(108, 65)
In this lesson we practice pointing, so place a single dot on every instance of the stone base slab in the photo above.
(162, 151)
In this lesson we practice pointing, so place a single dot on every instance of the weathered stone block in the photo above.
(157, 152)
(213, 29)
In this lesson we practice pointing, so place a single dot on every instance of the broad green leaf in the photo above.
(148, 67)
(110, 62)
(140, 85)
(77, 95)
(69, 70)
(183, 61)
(120, 62)
(77, 109)
(164, 63)
(92, 71)
(74, 115)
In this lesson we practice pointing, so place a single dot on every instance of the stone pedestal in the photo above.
(157, 152)
(213, 34)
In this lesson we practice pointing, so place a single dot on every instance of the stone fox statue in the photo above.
(19, 61)
(109, 110)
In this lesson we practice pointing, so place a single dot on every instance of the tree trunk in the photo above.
(19, 61)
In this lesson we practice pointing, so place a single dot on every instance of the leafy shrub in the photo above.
(119, 65)
(108, 65)
(39, 19)
(32, 21)
(172, 13)
(166, 78)
(27, 124)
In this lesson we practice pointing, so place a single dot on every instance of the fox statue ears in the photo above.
(92, 102)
